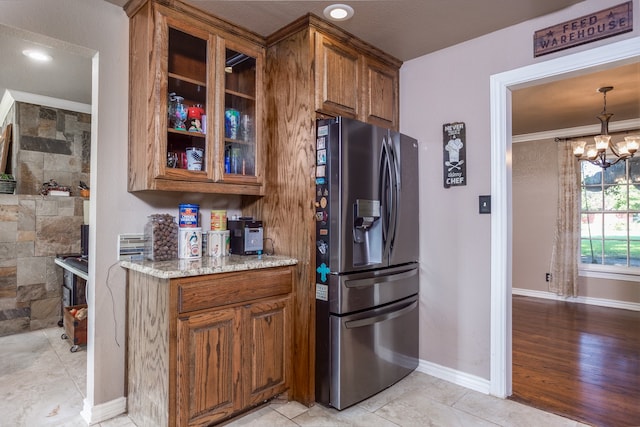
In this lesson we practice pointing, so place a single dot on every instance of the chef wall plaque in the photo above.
(455, 153)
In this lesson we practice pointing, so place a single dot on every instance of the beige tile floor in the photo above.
(43, 384)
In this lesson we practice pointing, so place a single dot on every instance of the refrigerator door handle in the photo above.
(386, 193)
(363, 283)
(382, 317)
(394, 179)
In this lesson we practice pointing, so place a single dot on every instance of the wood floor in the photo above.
(577, 360)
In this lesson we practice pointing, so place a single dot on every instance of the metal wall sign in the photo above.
(455, 153)
(586, 29)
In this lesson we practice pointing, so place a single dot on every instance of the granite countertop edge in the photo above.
(207, 265)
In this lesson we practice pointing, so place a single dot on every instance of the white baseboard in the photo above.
(625, 305)
(104, 411)
(456, 377)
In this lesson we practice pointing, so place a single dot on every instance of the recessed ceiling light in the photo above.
(338, 12)
(36, 55)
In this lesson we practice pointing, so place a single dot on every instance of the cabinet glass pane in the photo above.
(186, 101)
(239, 113)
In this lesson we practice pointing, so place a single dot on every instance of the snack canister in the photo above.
(188, 215)
(190, 243)
(218, 242)
(218, 220)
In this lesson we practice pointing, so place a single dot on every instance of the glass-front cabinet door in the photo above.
(188, 151)
(196, 103)
(242, 114)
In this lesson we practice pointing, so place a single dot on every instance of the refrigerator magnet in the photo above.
(321, 157)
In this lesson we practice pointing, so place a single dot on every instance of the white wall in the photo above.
(453, 85)
(535, 204)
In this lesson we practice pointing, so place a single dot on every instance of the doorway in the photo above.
(615, 54)
(60, 93)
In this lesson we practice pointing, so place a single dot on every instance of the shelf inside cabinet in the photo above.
(186, 133)
(228, 141)
(240, 95)
(187, 79)
(192, 91)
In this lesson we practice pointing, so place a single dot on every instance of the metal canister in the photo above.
(218, 220)
(188, 217)
(218, 242)
(190, 243)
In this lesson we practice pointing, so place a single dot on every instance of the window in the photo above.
(610, 214)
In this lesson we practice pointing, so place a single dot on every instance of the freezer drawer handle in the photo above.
(351, 324)
(363, 283)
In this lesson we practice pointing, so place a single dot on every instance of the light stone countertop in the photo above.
(207, 265)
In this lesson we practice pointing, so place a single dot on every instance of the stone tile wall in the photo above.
(48, 143)
(33, 229)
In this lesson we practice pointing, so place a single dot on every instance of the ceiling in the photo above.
(67, 76)
(405, 29)
(576, 101)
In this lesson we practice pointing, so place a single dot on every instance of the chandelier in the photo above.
(602, 147)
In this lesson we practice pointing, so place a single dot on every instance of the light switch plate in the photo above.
(484, 205)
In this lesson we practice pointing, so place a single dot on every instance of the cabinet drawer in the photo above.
(215, 290)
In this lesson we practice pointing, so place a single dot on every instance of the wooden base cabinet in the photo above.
(209, 367)
(224, 345)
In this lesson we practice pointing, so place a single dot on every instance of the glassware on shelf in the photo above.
(246, 127)
(227, 160)
(236, 160)
(180, 114)
(194, 158)
(172, 159)
(231, 123)
(171, 108)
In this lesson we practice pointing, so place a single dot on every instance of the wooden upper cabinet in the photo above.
(352, 78)
(380, 101)
(337, 77)
(196, 102)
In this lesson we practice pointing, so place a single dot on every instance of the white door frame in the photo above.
(599, 58)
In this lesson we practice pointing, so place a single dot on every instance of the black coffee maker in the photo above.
(246, 235)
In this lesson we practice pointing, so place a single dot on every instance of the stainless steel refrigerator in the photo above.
(367, 256)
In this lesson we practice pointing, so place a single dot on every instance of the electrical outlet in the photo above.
(547, 277)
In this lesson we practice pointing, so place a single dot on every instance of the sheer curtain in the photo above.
(564, 257)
